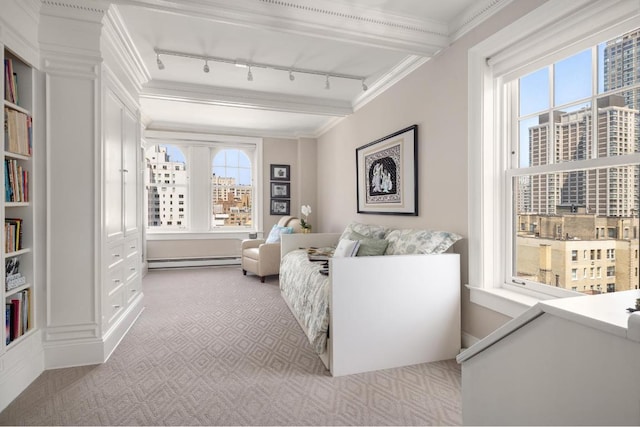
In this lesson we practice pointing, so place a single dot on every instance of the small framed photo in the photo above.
(280, 207)
(280, 173)
(280, 190)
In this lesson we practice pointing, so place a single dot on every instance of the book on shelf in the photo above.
(7, 323)
(18, 132)
(10, 82)
(16, 182)
(18, 315)
(13, 234)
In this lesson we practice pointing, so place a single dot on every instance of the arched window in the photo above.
(166, 179)
(232, 189)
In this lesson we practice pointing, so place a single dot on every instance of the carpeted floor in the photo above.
(214, 347)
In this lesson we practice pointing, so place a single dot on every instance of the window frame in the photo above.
(531, 42)
(199, 199)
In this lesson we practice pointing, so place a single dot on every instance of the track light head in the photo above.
(291, 76)
(364, 86)
(159, 62)
(206, 66)
(327, 85)
(250, 74)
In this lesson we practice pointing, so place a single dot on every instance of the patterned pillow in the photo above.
(369, 246)
(276, 231)
(367, 230)
(403, 242)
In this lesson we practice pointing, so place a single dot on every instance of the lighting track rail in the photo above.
(291, 71)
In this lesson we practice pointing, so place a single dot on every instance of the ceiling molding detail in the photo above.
(481, 11)
(171, 91)
(239, 132)
(373, 29)
(124, 49)
(91, 8)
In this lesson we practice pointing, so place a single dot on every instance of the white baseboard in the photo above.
(91, 351)
(19, 367)
(195, 262)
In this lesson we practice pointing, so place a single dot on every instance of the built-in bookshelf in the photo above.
(17, 212)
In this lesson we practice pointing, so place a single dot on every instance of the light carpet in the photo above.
(214, 347)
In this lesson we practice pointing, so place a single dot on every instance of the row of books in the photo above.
(17, 315)
(13, 234)
(18, 132)
(10, 82)
(16, 182)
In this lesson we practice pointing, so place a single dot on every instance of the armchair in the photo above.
(263, 259)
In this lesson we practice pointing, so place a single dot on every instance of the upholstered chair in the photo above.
(261, 258)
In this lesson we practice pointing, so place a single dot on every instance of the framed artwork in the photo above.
(387, 174)
(280, 173)
(280, 190)
(280, 207)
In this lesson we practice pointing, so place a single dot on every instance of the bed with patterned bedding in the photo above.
(381, 311)
(307, 292)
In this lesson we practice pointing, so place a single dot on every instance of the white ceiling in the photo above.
(380, 40)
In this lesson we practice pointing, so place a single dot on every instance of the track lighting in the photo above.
(244, 64)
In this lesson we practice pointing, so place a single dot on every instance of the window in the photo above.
(211, 186)
(574, 255)
(159, 189)
(232, 189)
(556, 130)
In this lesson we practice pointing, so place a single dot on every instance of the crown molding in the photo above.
(86, 10)
(306, 17)
(171, 91)
(474, 16)
(120, 43)
(399, 72)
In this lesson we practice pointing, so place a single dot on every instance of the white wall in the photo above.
(435, 98)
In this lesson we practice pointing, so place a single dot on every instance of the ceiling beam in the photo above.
(231, 97)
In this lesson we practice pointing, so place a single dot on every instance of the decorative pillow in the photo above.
(346, 248)
(403, 242)
(367, 230)
(369, 246)
(276, 231)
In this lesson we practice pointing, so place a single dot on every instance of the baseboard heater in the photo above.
(192, 262)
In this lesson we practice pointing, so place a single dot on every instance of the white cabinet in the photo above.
(122, 265)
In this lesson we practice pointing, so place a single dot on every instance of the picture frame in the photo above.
(280, 173)
(280, 190)
(280, 207)
(387, 174)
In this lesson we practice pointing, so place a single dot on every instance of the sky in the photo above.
(240, 165)
(572, 82)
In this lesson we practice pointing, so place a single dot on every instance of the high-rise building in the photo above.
(604, 191)
(167, 195)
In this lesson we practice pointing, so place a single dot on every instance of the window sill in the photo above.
(502, 300)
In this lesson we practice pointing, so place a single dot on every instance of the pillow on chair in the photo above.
(276, 231)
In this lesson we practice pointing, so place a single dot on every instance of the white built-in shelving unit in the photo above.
(18, 214)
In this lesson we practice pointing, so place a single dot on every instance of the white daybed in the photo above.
(384, 311)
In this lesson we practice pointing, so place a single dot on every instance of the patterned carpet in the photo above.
(214, 347)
